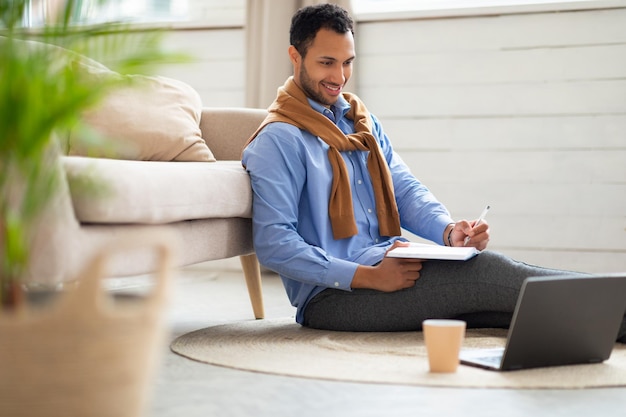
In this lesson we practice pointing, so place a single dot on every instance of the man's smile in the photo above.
(332, 89)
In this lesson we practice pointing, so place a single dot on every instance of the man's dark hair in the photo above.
(307, 21)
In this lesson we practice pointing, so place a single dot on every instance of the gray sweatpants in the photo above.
(482, 291)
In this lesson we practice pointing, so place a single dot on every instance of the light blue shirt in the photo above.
(291, 179)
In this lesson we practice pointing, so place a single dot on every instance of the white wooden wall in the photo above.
(217, 70)
(525, 112)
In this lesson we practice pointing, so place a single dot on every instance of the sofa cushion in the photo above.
(153, 118)
(153, 192)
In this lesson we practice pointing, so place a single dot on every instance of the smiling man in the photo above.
(331, 196)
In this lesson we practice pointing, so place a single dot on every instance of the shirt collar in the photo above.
(341, 106)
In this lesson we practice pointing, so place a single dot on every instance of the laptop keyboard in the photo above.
(492, 360)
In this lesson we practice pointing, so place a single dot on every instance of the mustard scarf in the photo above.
(291, 106)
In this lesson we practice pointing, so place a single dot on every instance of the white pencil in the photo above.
(479, 221)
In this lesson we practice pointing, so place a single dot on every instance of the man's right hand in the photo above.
(391, 274)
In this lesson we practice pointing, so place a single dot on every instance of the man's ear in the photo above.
(294, 55)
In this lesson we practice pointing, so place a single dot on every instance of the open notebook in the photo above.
(425, 251)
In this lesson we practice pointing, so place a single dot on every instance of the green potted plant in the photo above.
(79, 355)
(42, 95)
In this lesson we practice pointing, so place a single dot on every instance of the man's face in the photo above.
(327, 66)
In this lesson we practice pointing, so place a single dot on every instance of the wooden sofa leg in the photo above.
(252, 273)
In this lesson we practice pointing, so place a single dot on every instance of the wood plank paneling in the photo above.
(584, 132)
(577, 63)
(555, 98)
(217, 70)
(540, 30)
(554, 167)
(509, 199)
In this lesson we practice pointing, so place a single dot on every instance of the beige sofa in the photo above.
(205, 207)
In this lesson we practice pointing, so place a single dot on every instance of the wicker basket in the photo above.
(86, 354)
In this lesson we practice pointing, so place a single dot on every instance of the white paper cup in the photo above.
(443, 339)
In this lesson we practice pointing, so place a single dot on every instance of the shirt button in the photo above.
(369, 210)
(336, 284)
(359, 182)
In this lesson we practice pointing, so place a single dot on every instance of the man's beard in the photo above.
(307, 85)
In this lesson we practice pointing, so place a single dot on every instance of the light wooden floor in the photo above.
(203, 296)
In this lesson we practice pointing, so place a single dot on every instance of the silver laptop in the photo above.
(561, 320)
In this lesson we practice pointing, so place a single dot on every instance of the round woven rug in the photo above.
(282, 347)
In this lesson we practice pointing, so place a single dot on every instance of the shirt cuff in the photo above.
(439, 227)
(340, 274)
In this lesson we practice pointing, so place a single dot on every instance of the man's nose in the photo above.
(338, 75)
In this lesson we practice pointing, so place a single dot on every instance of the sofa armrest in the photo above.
(226, 130)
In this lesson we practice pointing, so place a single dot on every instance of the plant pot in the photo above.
(84, 352)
